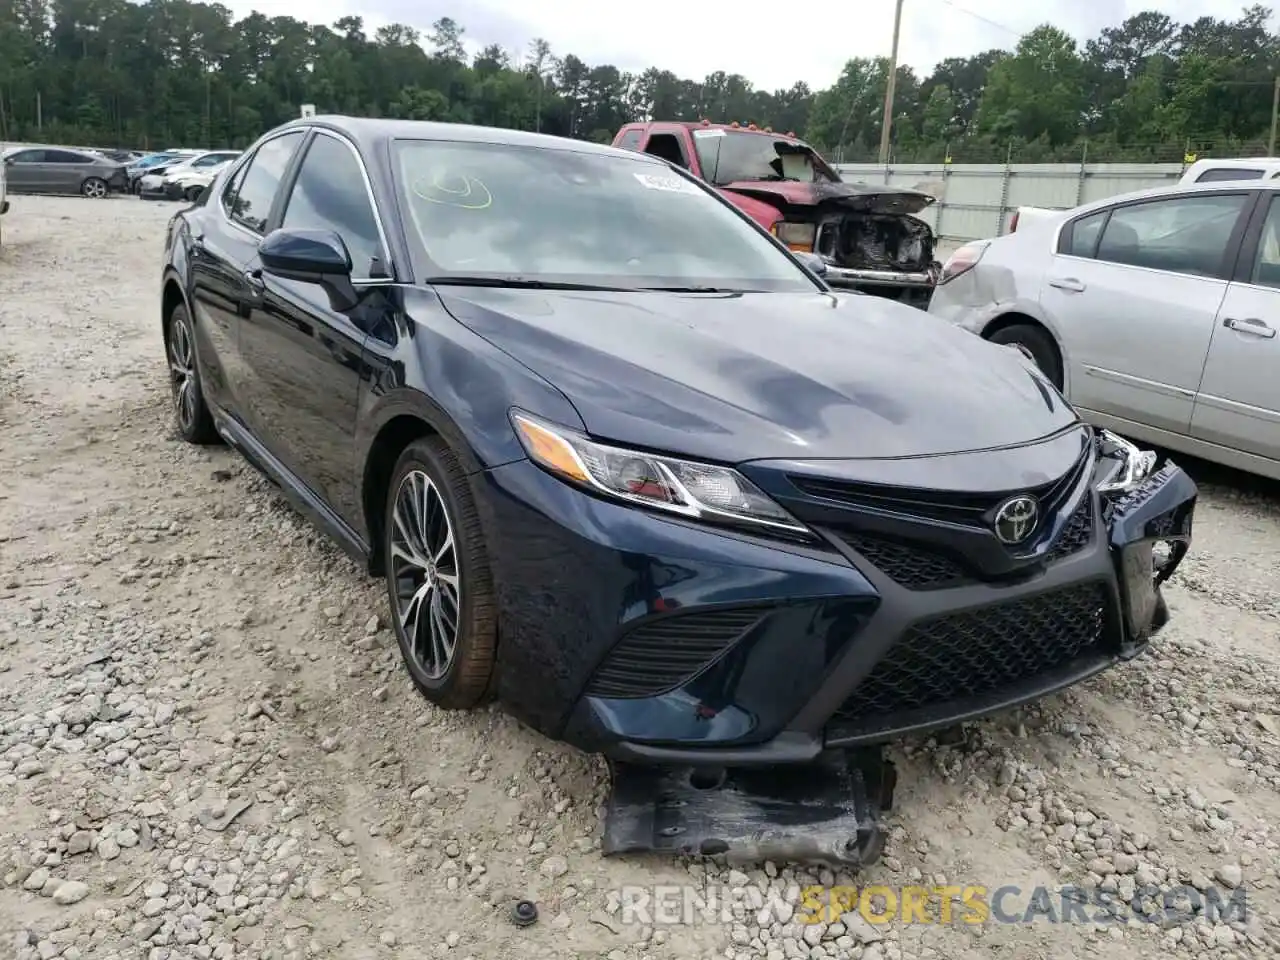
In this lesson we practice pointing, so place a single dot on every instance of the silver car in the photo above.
(1155, 312)
(61, 170)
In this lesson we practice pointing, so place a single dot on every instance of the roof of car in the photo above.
(1175, 189)
(376, 129)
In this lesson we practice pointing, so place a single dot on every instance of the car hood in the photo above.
(862, 197)
(768, 375)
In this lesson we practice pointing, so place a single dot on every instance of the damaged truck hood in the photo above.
(860, 197)
(739, 377)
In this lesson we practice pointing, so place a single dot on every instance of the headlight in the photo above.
(700, 491)
(797, 236)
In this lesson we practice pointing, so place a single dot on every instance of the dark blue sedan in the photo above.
(629, 465)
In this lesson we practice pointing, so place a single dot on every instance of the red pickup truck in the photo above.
(867, 235)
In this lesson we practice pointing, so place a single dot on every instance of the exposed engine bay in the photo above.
(877, 242)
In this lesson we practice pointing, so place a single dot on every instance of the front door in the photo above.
(1134, 291)
(25, 172)
(304, 354)
(1238, 404)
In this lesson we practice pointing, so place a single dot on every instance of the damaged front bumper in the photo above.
(709, 801)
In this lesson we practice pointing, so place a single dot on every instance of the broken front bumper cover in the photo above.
(692, 802)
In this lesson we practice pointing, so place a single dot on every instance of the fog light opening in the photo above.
(1161, 555)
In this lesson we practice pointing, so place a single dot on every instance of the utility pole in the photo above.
(886, 119)
(1275, 115)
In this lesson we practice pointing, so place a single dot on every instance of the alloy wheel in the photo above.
(182, 374)
(425, 571)
(95, 189)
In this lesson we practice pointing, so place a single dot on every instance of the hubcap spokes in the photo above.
(182, 375)
(424, 568)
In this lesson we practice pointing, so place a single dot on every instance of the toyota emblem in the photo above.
(1016, 519)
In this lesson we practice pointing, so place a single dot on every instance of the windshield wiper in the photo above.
(518, 283)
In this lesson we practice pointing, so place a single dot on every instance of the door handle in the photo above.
(1250, 325)
(1070, 284)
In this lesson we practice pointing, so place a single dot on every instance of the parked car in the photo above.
(60, 170)
(868, 235)
(1155, 312)
(628, 464)
(187, 183)
(155, 163)
(154, 183)
(1224, 169)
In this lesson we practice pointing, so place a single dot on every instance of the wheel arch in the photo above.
(1015, 318)
(402, 418)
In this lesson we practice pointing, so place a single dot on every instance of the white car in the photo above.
(156, 186)
(1223, 170)
(1154, 312)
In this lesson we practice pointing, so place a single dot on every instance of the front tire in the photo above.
(439, 581)
(195, 423)
(1036, 344)
(94, 188)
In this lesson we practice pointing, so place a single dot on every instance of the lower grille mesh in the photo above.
(980, 652)
(661, 655)
(1077, 534)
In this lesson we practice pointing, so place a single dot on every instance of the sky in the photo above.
(693, 40)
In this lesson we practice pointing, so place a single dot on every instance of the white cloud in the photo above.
(757, 41)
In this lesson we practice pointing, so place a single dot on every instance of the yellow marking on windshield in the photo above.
(469, 194)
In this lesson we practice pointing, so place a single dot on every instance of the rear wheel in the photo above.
(189, 409)
(1036, 343)
(193, 193)
(94, 188)
(438, 578)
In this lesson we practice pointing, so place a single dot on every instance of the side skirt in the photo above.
(302, 499)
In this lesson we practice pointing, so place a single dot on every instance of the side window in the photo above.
(666, 146)
(1180, 235)
(329, 194)
(28, 156)
(1217, 174)
(256, 183)
(65, 156)
(630, 140)
(1266, 267)
(1083, 239)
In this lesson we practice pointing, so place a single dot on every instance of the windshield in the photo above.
(727, 156)
(554, 215)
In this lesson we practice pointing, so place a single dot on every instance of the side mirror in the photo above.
(814, 263)
(311, 256)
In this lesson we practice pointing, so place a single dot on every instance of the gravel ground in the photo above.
(208, 747)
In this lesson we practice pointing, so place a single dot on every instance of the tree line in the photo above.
(177, 73)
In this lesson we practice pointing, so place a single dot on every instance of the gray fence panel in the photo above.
(976, 200)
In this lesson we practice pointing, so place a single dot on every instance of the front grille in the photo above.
(910, 565)
(664, 654)
(980, 652)
(1076, 535)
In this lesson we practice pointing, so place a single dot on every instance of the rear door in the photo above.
(65, 170)
(1238, 404)
(1134, 292)
(223, 260)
